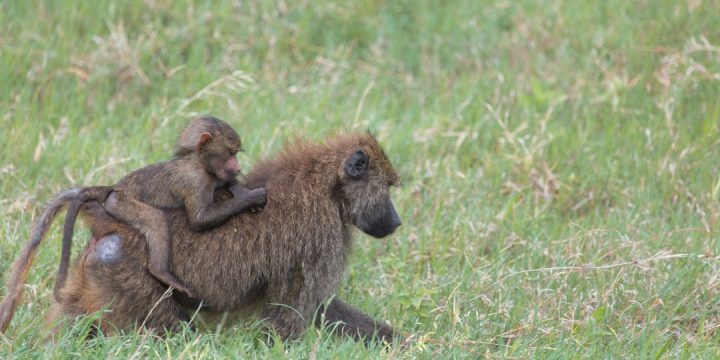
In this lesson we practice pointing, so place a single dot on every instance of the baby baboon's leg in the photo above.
(150, 222)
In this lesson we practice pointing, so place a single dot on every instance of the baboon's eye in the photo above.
(357, 165)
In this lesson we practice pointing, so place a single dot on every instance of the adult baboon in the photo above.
(288, 260)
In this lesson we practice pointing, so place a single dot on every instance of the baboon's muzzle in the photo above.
(385, 221)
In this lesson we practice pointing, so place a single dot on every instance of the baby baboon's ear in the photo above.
(204, 139)
(357, 165)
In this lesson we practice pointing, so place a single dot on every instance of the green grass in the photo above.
(547, 149)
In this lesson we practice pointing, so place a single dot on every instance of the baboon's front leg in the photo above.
(353, 323)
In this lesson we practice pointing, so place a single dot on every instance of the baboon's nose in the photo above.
(395, 221)
(398, 223)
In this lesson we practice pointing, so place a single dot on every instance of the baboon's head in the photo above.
(216, 144)
(366, 176)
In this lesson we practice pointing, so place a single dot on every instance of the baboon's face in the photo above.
(220, 156)
(366, 188)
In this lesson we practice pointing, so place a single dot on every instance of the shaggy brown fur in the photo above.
(287, 260)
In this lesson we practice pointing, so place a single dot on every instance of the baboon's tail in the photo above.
(96, 193)
(68, 227)
(19, 269)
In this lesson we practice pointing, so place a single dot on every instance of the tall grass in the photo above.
(561, 192)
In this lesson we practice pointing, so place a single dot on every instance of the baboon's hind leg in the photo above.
(106, 278)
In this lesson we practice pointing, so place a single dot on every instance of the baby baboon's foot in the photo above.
(169, 279)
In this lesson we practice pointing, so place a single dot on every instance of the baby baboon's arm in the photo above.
(205, 214)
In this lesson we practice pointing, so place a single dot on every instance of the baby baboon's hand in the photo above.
(254, 198)
(259, 199)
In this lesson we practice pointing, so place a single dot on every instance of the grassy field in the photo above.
(560, 159)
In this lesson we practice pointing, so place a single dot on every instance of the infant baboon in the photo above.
(205, 159)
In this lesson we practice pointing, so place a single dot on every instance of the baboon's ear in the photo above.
(357, 165)
(204, 138)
